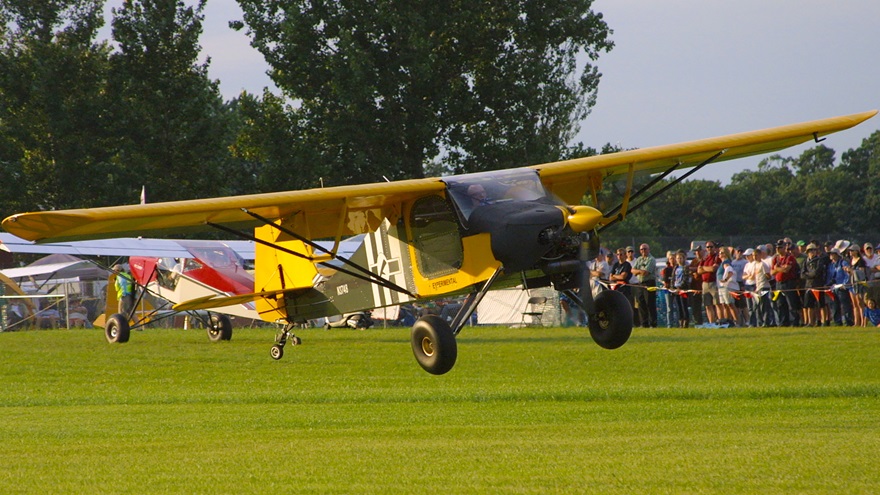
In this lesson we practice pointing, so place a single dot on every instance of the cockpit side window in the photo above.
(436, 237)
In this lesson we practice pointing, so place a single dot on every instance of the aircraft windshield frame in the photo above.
(469, 191)
(217, 257)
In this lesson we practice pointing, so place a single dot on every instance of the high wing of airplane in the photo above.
(426, 238)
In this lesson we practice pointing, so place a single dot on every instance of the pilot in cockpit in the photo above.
(478, 195)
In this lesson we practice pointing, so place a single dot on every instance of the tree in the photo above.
(384, 88)
(817, 159)
(53, 139)
(172, 126)
(272, 144)
(862, 183)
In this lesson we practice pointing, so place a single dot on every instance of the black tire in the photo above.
(612, 324)
(433, 344)
(220, 329)
(277, 352)
(117, 330)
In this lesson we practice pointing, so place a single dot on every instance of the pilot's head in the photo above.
(477, 193)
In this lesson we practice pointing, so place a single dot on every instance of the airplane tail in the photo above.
(288, 265)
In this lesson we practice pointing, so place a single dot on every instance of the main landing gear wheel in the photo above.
(612, 324)
(433, 344)
(220, 328)
(117, 329)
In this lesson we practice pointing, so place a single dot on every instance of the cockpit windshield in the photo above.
(220, 257)
(470, 191)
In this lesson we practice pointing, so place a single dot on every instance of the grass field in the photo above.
(523, 411)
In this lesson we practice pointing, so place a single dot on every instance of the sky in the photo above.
(684, 69)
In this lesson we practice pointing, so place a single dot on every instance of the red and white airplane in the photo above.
(167, 271)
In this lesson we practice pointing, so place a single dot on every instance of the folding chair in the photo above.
(534, 311)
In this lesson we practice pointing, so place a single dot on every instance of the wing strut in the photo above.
(472, 301)
(644, 188)
(660, 191)
(365, 275)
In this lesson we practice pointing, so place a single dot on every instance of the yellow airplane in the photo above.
(425, 238)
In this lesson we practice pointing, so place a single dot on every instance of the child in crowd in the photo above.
(872, 313)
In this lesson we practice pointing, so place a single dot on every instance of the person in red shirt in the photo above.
(782, 269)
(706, 270)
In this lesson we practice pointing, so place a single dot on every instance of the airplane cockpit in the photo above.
(470, 191)
(216, 257)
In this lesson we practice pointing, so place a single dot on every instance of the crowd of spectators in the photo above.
(803, 283)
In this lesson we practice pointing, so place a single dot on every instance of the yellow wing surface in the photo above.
(346, 210)
(570, 179)
(315, 213)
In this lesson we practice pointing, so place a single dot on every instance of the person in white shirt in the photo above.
(600, 271)
(761, 271)
(748, 287)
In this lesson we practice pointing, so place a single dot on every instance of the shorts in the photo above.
(724, 296)
(710, 293)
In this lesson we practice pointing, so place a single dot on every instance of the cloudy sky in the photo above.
(686, 69)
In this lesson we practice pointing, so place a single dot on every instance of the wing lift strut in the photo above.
(365, 274)
(616, 211)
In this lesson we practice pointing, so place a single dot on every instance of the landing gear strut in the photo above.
(277, 350)
(433, 339)
(609, 316)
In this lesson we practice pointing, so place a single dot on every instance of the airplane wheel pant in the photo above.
(433, 344)
(117, 329)
(612, 324)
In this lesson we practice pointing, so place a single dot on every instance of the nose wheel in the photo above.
(277, 350)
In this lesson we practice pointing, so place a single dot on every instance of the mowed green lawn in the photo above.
(523, 411)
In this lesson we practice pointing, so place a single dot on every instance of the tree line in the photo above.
(366, 90)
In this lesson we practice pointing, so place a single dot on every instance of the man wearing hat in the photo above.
(813, 274)
(838, 278)
(707, 269)
(782, 268)
(124, 290)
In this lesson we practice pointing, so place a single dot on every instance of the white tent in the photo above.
(51, 281)
(506, 306)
